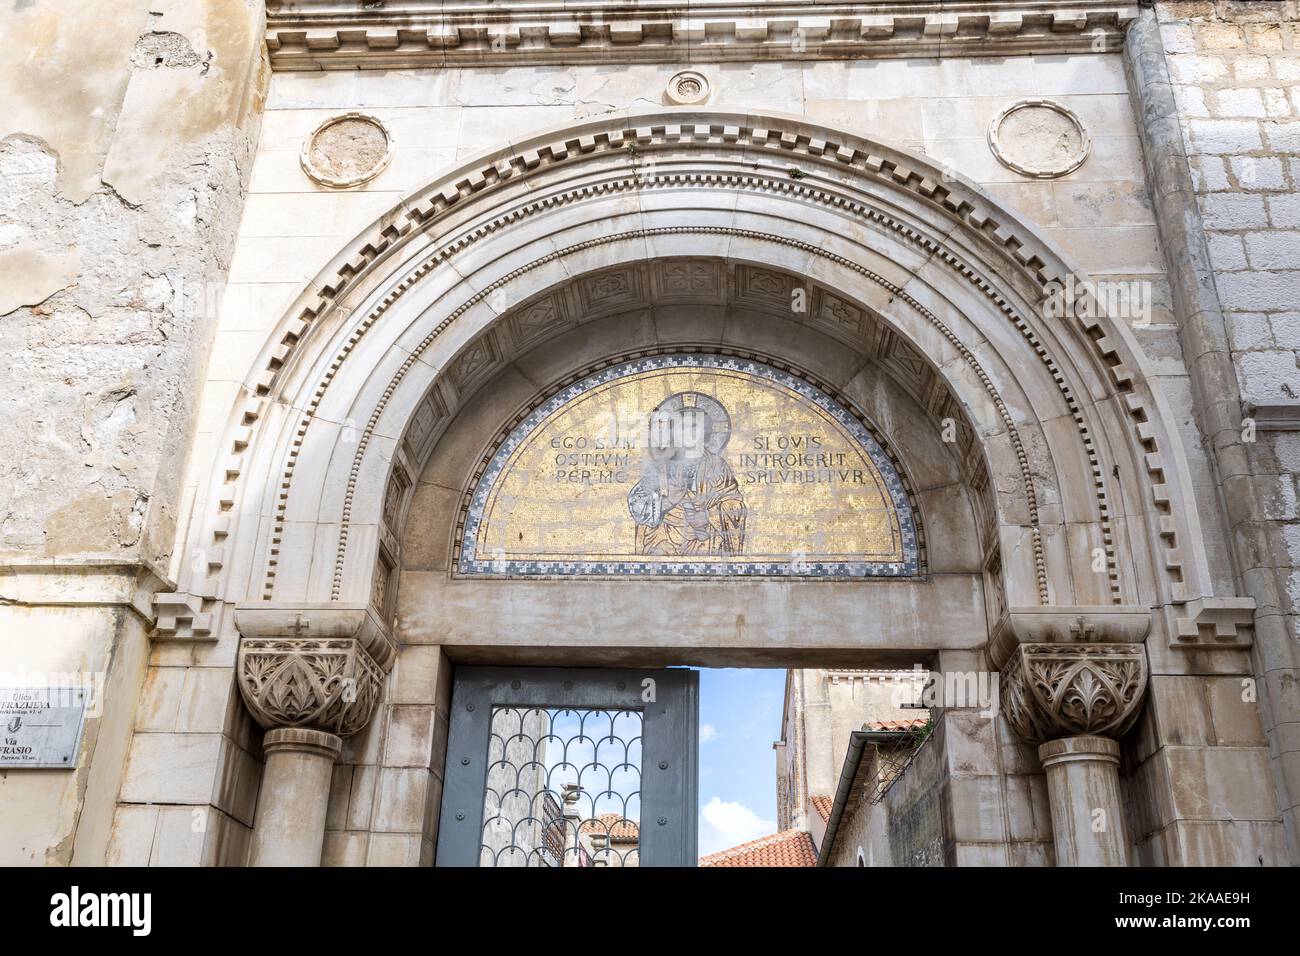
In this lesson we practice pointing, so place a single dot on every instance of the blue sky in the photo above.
(740, 717)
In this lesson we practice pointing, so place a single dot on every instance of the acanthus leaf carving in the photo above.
(323, 684)
(1068, 690)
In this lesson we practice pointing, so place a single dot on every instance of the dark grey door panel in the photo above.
(570, 767)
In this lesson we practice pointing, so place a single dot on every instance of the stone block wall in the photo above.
(972, 795)
(387, 787)
(1235, 73)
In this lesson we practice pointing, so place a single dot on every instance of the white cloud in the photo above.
(708, 732)
(723, 824)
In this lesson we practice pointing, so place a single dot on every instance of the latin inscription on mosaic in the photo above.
(690, 465)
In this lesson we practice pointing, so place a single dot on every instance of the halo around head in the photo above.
(720, 421)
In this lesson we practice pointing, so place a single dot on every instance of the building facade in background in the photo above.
(346, 349)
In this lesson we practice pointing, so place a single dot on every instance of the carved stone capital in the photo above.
(328, 684)
(1069, 690)
(318, 666)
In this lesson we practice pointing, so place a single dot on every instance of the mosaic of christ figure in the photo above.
(687, 501)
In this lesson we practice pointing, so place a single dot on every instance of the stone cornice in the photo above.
(354, 34)
(83, 582)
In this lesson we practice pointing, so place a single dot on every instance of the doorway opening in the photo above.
(596, 767)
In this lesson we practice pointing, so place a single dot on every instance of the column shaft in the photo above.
(1083, 789)
(294, 797)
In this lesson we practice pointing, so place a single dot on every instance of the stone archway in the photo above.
(1092, 520)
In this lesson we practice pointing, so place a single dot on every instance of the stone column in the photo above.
(1074, 700)
(309, 693)
(1083, 789)
(294, 797)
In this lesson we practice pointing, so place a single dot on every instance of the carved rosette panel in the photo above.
(1069, 690)
(329, 685)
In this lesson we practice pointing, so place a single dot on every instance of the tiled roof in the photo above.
(894, 725)
(788, 848)
(822, 804)
(614, 824)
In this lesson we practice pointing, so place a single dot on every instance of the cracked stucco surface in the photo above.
(122, 171)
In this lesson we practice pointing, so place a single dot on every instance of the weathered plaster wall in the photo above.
(125, 145)
(122, 164)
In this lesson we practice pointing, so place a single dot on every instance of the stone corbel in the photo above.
(1211, 623)
(180, 617)
(1050, 691)
(1092, 624)
(319, 667)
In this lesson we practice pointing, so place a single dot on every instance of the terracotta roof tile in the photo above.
(822, 804)
(895, 725)
(614, 824)
(788, 848)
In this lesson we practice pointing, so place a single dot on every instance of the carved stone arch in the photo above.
(316, 437)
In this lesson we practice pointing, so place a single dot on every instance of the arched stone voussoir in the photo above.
(445, 274)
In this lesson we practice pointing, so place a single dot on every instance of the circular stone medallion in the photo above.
(688, 88)
(1039, 138)
(347, 150)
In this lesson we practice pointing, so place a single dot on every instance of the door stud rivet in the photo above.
(663, 765)
(460, 814)
(464, 761)
(663, 821)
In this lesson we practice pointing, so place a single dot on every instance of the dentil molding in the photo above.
(360, 34)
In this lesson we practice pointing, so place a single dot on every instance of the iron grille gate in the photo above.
(566, 767)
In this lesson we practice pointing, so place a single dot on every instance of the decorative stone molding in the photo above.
(91, 582)
(1039, 138)
(724, 141)
(1216, 623)
(347, 150)
(1101, 624)
(1054, 690)
(329, 681)
(267, 619)
(181, 618)
(688, 88)
(297, 740)
(353, 34)
(1276, 416)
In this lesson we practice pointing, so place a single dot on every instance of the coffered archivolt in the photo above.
(412, 315)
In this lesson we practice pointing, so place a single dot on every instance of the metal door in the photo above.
(570, 767)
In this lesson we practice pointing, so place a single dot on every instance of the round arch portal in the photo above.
(1091, 495)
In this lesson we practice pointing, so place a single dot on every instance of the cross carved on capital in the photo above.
(1081, 630)
(299, 625)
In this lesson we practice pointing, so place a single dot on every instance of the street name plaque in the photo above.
(40, 727)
